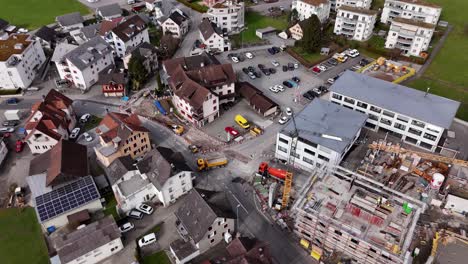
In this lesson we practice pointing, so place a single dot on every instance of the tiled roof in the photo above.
(46, 33)
(256, 97)
(70, 19)
(119, 125)
(177, 18)
(89, 52)
(129, 28)
(156, 167)
(190, 63)
(208, 28)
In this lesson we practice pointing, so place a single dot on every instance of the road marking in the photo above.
(238, 201)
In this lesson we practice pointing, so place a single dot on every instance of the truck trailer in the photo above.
(13, 115)
(210, 163)
(265, 170)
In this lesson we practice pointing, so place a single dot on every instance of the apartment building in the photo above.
(203, 221)
(416, 117)
(176, 24)
(121, 135)
(325, 134)
(51, 120)
(148, 55)
(307, 8)
(89, 244)
(412, 37)
(21, 56)
(199, 88)
(354, 215)
(212, 37)
(411, 9)
(355, 22)
(229, 16)
(82, 65)
(129, 34)
(365, 4)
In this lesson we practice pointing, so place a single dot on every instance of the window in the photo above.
(415, 131)
(411, 140)
(349, 100)
(212, 240)
(170, 189)
(388, 113)
(306, 160)
(417, 123)
(337, 96)
(399, 126)
(402, 118)
(282, 149)
(385, 121)
(425, 145)
(430, 136)
(323, 158)
(354, 241)
(294, 154)
(338, 232)
(375, 109)
(283, 140)
(308, 151)
(373, 117)
(362, 105)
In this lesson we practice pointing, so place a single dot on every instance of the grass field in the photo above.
(448, 75)
(157, 258)
(310, 57)
(254, 21)
(33, 14)
(21, 238)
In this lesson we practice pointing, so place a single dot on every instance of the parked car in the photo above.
(19, 146)
(257, 74)
(285, 68)
(296, 79)
(144, 208)
(271, 51)
(249, 55)
(177, 129)
(245, 70)
(322, 68)
(279, 87)
(84, 118)
(10, 123)
(251, 69)
(276, 49)
(333, 62)
(272, 70)
(261, 66)
(352, 53)
(232, 131)
(316, 92)
(332, 80)
(135, 214)
(147, 240)
(275, 63)
(291, 66)
(12, 101)
(323, 89)
(287, 84)
(316, 70)
(288, 111)
(296, 65)
(252, 75)
(7, 129)
(235, 59)
(126, 227)
(364, 62)
(266, 71)
(87, 137)
(75, 133)
(309, 95)
(282, 47)
(283, 120)
(273, 89)
(294, 84)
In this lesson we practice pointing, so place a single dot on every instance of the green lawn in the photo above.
(92, 123)
(111, 204)
(254, 21)
(157, 258)
(448, 75)
(21, 239)
(310, 57)
(33, 14)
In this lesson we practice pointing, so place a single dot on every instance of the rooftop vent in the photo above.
(19, 46)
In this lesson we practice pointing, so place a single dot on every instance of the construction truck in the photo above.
(265, 170)
(211, 163)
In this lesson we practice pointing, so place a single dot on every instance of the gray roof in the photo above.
(61, 50)
(200, 209)
(70, 19)
(322, 118)
(89, 52)
(208, 28)
(177, 17)
(91, 31)
(183, 249)
(3, 24)
(429, 108)
(46, 33)
(79, 242)
(143, 49)
(118, 168)
(174, 158)
(109, 10)
(156, 167)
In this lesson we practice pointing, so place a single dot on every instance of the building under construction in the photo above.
(361, 218)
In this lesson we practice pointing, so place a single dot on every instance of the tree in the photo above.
(311, 34)
(293, 16)
(138, 72)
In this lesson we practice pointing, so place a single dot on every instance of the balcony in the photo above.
(347, 31)
(348, 26)
(404, 41)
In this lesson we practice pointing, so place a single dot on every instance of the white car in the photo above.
(23, 30)
(144, 208)
(249, 55)
(235, 59)
(84, 118)
(283, 120)
(147, 240)
(273, 89)
(296, 65)
(322, 68)
(252, 76)
(87, 137)
(288, 111)
(275, 63)
(353, 53)
(7, 129)
(279, 87)
(135, 214)
(75, 132)
(126, 227)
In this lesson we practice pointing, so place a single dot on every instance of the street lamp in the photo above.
(237, 214)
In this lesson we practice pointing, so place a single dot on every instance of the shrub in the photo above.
(10, 91)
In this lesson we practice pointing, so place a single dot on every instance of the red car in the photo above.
(19, 146)
(316, 70)
(232, 131)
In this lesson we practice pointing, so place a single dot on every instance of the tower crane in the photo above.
(289, 175)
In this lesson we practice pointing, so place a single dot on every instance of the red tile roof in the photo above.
(120, 125)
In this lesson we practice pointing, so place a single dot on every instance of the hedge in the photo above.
(195, 6)
(10, 91)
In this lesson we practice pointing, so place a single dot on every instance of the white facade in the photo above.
(410, 130)
(306, 9)
(355, 23)
(209, 112)
(176, 186)
(88, 76)
(99, 253)
(121, 46)
(216, 42)
(39, 142)
(410, 36)
(366, 4)
(418, 10)
(20, 61)
(296, 32)
(62, 220)
(3, 151)
(228, 16)
(176, 30)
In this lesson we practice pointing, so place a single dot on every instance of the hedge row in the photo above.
(194, 5)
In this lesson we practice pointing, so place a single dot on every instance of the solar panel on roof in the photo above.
(66, 198)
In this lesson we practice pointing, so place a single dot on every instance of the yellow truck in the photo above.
(211, 163)
(241, 121)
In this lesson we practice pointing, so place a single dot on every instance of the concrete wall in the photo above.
(216, 234)
(175, 187)
(99, 253)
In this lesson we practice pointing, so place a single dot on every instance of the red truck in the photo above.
(265, 170)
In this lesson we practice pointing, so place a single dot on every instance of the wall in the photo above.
(176, 186)
(100, 253)
(427, 14)
(62, 220)
(40, 146)
(3, 151)
(220, 226)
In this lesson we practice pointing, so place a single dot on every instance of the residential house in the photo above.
(51, 120)
(60, 184)
(21, 56)
(355, 22)
(210, 3)
(176, 24)
(86, 33)
(296, 30)
(204, 220)
(365, 4)
(89, 244)
(326, 132)
(106, 26)
(212, 37)
(248, 251)
(109, 12)
(412, 37)
(58, 58)
(113, 83)
(307, 8)
(200, 90)
(82, 65)
(70, 21)
(261, 103)
(46, 36)
(152, 4)
(415, 117)
(121, 135)
(411, 9)
(229, 15)
(129, 33)
(3, 151)
(147, 54)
